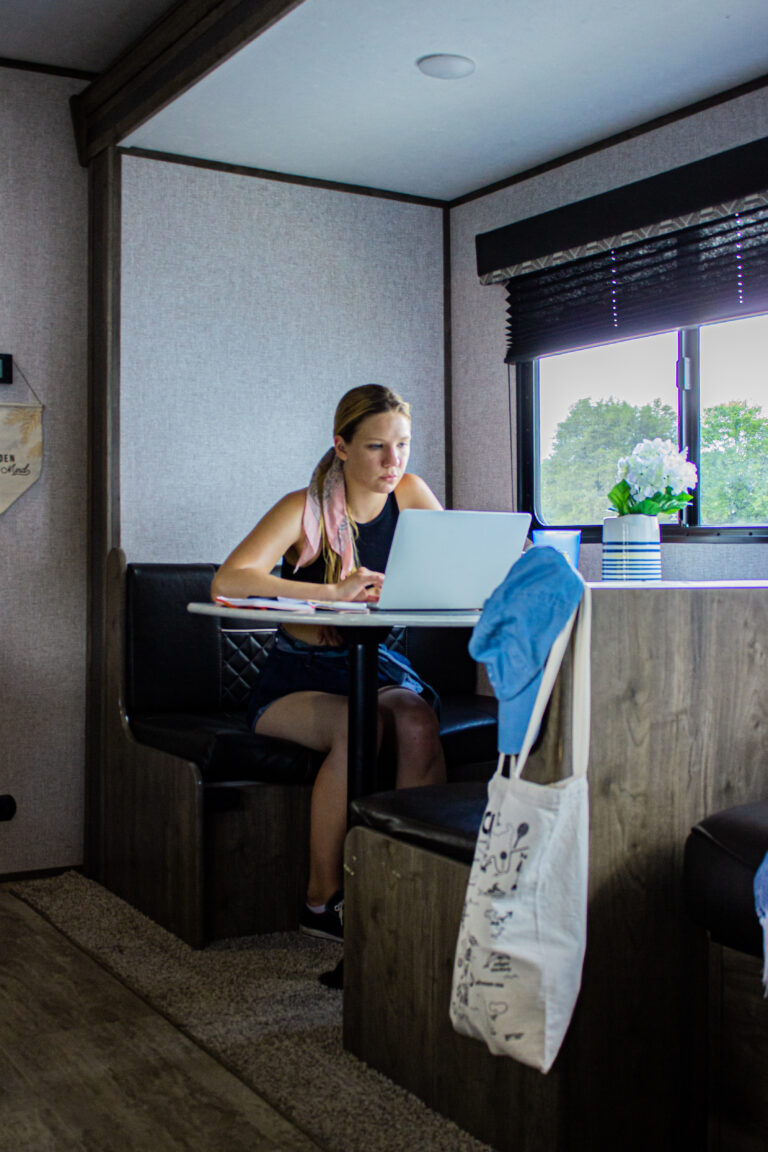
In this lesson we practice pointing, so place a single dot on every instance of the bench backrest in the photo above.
(179, 662)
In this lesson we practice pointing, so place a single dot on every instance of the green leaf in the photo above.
(620, 498)
(647, 507)
(660, 503)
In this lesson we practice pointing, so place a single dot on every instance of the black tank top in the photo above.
(374, 540)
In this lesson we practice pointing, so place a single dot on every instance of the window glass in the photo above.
(733, 487)
(595, 405)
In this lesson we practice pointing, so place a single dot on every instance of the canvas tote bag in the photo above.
(520, 949)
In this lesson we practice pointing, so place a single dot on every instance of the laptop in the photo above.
(450, 560)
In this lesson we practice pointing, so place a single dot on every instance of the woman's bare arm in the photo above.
(413, 492)
(247, 571)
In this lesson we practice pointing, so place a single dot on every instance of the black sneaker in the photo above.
(328, 924)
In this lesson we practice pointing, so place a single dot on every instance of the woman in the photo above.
(334, 538)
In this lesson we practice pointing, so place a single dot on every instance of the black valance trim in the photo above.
(689, 188)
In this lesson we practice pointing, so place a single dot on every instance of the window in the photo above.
(589, 286)
(705, 388)
(733, 378)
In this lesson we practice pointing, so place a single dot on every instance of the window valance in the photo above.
(684, 248)
(692, 194)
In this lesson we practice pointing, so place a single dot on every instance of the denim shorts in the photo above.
(294, 666)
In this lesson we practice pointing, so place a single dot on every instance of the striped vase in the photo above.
(631, 548)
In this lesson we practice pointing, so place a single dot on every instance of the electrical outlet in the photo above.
(6, 368)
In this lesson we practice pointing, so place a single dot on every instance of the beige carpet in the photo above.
(255, 1004)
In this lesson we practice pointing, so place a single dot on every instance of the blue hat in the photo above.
(521, 620)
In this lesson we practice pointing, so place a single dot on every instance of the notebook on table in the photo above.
(450, 560)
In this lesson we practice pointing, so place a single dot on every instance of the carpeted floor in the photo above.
(256, 1005)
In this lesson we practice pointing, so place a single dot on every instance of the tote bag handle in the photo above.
(580, 712)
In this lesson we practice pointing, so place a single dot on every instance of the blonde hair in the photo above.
(354, 407)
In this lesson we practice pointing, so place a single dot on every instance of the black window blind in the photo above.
(716, 270)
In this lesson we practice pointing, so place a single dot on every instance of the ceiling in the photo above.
(83, 35)
(331, 91)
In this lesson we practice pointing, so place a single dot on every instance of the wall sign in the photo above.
(21, 450)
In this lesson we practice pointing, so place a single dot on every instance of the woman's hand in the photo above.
(362, 584)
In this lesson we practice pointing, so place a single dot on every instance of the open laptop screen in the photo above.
(450, 560)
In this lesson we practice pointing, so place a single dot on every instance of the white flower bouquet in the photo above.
(655, 478)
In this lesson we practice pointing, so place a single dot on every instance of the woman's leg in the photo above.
(318, 720)
(420, 758)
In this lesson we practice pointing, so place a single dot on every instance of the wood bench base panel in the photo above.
(630, 1073)
(256, 845)
(402, 909)
(738, 1053)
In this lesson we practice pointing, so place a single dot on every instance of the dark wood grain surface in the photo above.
(679, 729)
(87, 1066)
(739, 1072)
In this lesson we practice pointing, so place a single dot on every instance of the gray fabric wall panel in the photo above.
(482, 460)
(249, 307)
(43, 305)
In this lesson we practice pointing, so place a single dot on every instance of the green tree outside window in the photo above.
(588, 443)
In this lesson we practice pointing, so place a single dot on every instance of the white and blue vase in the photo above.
(631, 548)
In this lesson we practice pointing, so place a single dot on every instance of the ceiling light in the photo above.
(444, 66)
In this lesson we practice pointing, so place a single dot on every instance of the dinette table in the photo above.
(366, 629)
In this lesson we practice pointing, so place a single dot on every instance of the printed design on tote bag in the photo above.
(502, 852)
(503, 859)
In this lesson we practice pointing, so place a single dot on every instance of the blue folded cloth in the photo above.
(761, 907)
(521, 620)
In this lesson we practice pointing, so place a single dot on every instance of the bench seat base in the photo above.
(401, 917)
(628, 1071)
(206, 861)
(738, 1053)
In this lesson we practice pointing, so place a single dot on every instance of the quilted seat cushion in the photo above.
(722, 855)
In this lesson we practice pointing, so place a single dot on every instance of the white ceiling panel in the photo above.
(332, 92)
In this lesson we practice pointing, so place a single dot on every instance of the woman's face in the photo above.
(376, 456)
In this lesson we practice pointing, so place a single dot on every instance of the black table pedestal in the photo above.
(362, 740)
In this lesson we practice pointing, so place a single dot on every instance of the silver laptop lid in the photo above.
(450, 560)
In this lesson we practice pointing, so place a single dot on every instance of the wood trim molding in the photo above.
(280, 177)
(184, 45)
(448, 357)
(47, 69)
(104, 460)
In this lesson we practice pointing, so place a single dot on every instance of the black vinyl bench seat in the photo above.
(722, 854)
(204, 826)
(443, 818)
(189, 676)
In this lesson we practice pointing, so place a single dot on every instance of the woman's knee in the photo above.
(339, 726)
(415, 722)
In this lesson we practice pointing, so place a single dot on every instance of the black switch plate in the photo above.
(6, 368)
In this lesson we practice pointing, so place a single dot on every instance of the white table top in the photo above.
(436, 618)
(394, 619)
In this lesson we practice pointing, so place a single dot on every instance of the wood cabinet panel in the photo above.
(679, 729)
